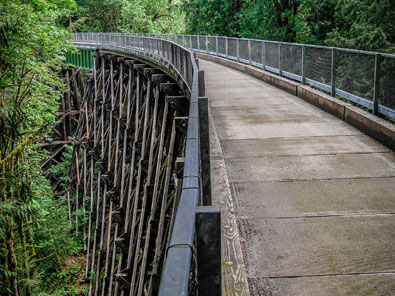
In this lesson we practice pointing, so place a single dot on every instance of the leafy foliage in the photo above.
(368, 25)
(148, 16)
(32, 47)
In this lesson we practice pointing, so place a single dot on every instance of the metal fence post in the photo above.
(249, 51)
(263, 54)
(198, 42)
(226, 46)
(183, 40)
(238, 49)
(303, 64)
(190, 41)
(333, 72)
(216, 44)
(206, 44)
(280, 66)
(376, 83)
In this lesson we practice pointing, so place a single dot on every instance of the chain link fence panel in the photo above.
(386, 82)
(256, 52)
(212, 44)
(272, 58)
(243, 50)
(354, 75)
(202, 43)
(232, 48)
(291, 59)
(318, 67)
(222, 45)
(195, 42)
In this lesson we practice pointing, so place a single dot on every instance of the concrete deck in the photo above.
(308, 201)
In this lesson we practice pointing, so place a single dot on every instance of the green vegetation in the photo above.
(35, 235)
(145, 16)
(365, 24)
(39, 252)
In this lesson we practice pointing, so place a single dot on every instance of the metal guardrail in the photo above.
(363, 77)
(179, 276)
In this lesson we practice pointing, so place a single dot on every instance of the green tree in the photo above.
(31, 51)
(214, 17)
(270, 19)
(148, 16)
(365, 24)
(315, 19)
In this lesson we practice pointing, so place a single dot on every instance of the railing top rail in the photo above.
(355, 75)
(280, 42)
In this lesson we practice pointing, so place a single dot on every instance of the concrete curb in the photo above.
(377, 128)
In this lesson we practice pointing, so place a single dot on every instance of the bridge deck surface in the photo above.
(313, 198)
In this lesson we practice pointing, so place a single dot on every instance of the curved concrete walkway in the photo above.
(313, 197)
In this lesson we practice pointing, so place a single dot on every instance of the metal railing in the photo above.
(180, 270)
(363, 77)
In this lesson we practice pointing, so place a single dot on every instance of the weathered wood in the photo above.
(83, 198)
(116, 177)
(118, 118)
(153, 202)
(138, 241)
(161, 78)
(171, 89)
(159, 247)
(150, 71)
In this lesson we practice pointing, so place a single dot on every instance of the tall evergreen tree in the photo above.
(31, 50)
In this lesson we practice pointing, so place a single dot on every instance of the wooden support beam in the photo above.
(120, 119)
(139, 180)
(150, 71)
(171, 89)
(158, 244)
(161, 78)
(180, 162)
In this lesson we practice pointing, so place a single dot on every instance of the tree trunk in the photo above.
(12, 258)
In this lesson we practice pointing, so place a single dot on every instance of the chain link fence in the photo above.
(244, 51)
(318, 67)
(291, 58)
(256, 53)
(365, 78)
(272, 57)
(222, 46)
(386, 82)
(232, 48)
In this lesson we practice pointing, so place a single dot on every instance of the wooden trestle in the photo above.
(127, 121)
